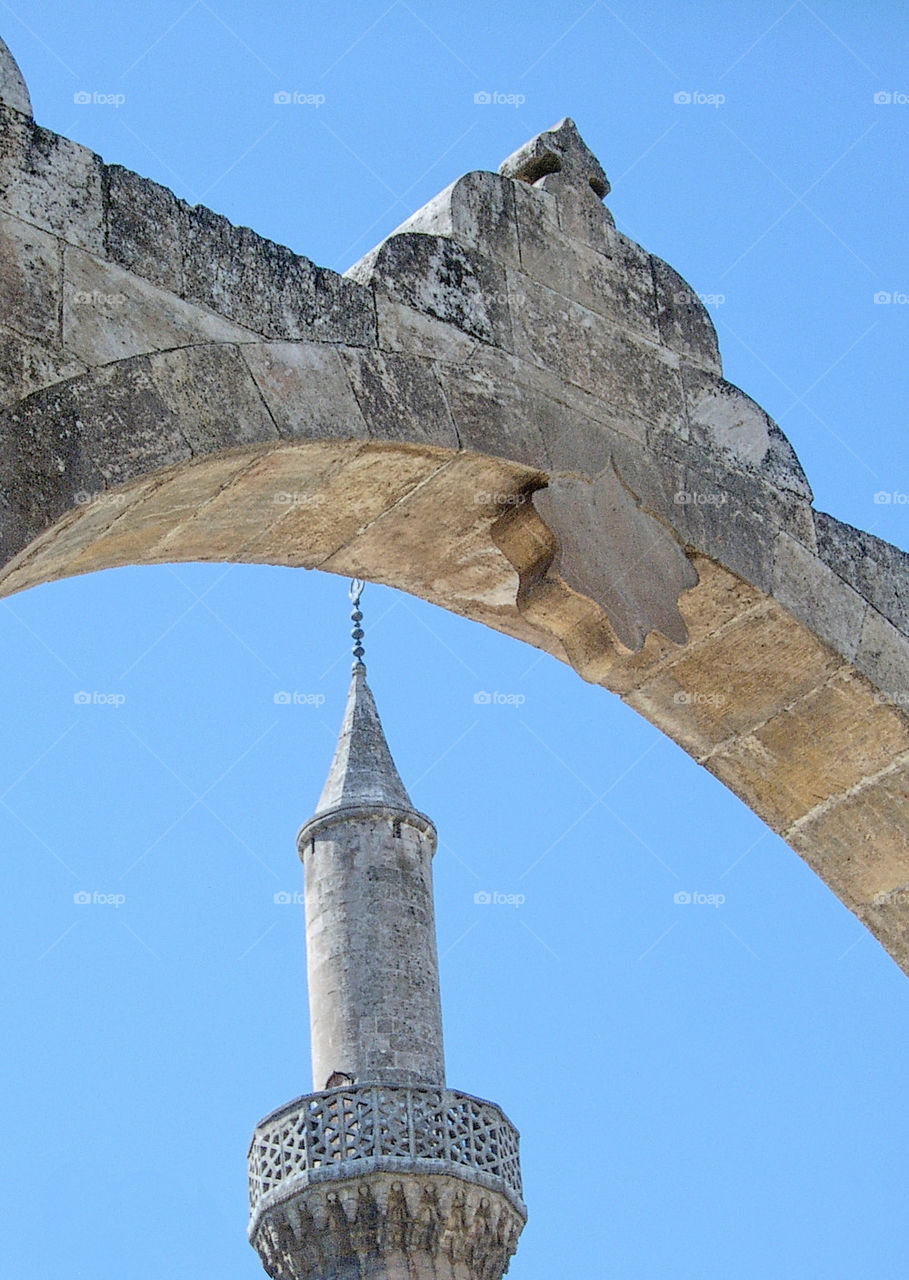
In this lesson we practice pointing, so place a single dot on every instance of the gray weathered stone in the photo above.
(145, 227)
(269, 289)
(684, 323)
(13, 91)
(722, 419)
(831, 608)
(877, 570)
(31, 281)
(306, 389)
(446, 281)
(51, 182)
(399, 397)
(883, 656)
(110, 313)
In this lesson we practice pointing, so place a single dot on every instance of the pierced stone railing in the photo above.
(346, 1131)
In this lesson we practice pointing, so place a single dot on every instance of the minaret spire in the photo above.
(384, 1173)
(363, 771)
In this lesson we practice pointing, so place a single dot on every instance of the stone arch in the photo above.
(507, 408)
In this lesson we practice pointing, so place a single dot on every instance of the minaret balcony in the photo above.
(353, 1131)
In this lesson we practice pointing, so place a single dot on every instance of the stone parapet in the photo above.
(384, 1181)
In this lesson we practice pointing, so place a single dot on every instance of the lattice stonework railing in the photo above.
(380, 1123)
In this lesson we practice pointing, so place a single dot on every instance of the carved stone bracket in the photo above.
(389, 1227)
(595, 569)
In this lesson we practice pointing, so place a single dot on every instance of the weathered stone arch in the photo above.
(507, 408)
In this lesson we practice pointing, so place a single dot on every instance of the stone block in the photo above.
(583, 348)
(860, 845)
(723, 419)
(727, 513)
(877, 570)
(717, 600)
(72, 546)
(43, 462)
(120, 419)
(888, 919)
(536, 214)
(269, 289)
(27, 366)
(145, 226)
(321, 498)
(477, 210)
(13, 89)
(445, 280)
(306, 389)
(211, 394)
(883, 656)
(435, 539)
(618, 286)
(30, 281)
(51, 182)
(404, 330)
(495, 413)
(724, 515)
(684, 322)
(817, 596)
(110, 313)
(400, 398)
(735, 680)
(617, 555)
(168, 519)
(816, 749)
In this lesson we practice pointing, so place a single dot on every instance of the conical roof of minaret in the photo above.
(363, 771)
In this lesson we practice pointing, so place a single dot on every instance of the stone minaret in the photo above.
(384, 1173)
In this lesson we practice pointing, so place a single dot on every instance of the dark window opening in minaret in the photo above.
(396, 829)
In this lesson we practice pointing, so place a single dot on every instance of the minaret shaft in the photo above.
(375, 1012)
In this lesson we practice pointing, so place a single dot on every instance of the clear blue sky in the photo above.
(703, 1092)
